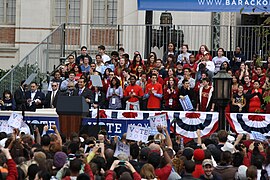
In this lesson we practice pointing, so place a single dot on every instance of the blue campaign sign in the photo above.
(204, 5)
(118, 126)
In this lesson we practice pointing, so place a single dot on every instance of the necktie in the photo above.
(80, 92)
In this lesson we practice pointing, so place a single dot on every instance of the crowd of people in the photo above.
(151, 84)
(136, 84)
(49, 155)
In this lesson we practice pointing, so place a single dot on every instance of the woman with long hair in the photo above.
(148, 172)
(200, 55)
(171, 74)
(170, 50)
(119, 68)
(106, 79)
(7, 102)
(184, 56)
(239, 101)
(115, 94)
(171, 95)
(242, 72)
(235, 84)
(78, 72)
(150, 63)
(219, 59)
(137, 61)
(170, 63)
(254, 98)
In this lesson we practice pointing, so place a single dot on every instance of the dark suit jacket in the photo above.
(39, 95)
(48, 98)
(87, 93)
(101, 99)
(20, 99)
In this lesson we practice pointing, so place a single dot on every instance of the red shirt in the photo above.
(205, 96)
(164, 173)
(153, 101)
(198, 171)
(160, 80)
(174, 98)
(136, 89)
(260, 78)
(246, 88)
(167, 79)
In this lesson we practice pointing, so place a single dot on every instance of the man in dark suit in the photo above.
(99, 98)
(35, 99)
(19, 96)
(52, 96)
(84, 91)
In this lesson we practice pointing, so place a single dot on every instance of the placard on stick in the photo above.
(138, 133)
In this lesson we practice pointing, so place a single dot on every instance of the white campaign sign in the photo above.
(4, 127)
(15, 120)
(121, 148)
(138, 133)
(158, 120)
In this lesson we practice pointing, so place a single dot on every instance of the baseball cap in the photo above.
(207, 162)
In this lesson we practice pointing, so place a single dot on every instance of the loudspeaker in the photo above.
(92, 130)
(72, 105)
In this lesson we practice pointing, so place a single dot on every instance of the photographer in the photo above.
(126, 168)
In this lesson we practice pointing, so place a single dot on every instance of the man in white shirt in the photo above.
(51, 96)
(99, 63)
(35, 98)
(105, 57)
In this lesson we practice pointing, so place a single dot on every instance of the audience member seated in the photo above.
(79, 60)
(7, 102)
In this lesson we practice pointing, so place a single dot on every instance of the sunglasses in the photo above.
(54, 85)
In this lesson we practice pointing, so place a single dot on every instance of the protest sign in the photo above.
(186, 103)
(4, 127)
(15, 120)
(258, 136)
(121, 148)
(138, 133)
(158, 120)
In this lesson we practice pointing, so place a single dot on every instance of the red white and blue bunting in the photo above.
(186, 123)
(247, 122)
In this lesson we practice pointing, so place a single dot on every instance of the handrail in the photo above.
(25, 57)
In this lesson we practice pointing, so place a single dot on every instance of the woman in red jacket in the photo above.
(254, 98)
(171, 94)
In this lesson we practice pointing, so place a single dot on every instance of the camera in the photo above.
(157, 142)
(121, 163)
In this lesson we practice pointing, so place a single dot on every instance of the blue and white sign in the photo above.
(205, 5)
(117, 127)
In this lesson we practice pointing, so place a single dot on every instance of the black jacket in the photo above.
(20, 99)
(48, 98)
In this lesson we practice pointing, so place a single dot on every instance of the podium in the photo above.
(71, 109)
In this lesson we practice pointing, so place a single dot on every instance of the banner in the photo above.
(29, 120)
(247, 122)
(188, 122)
(205, 5)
